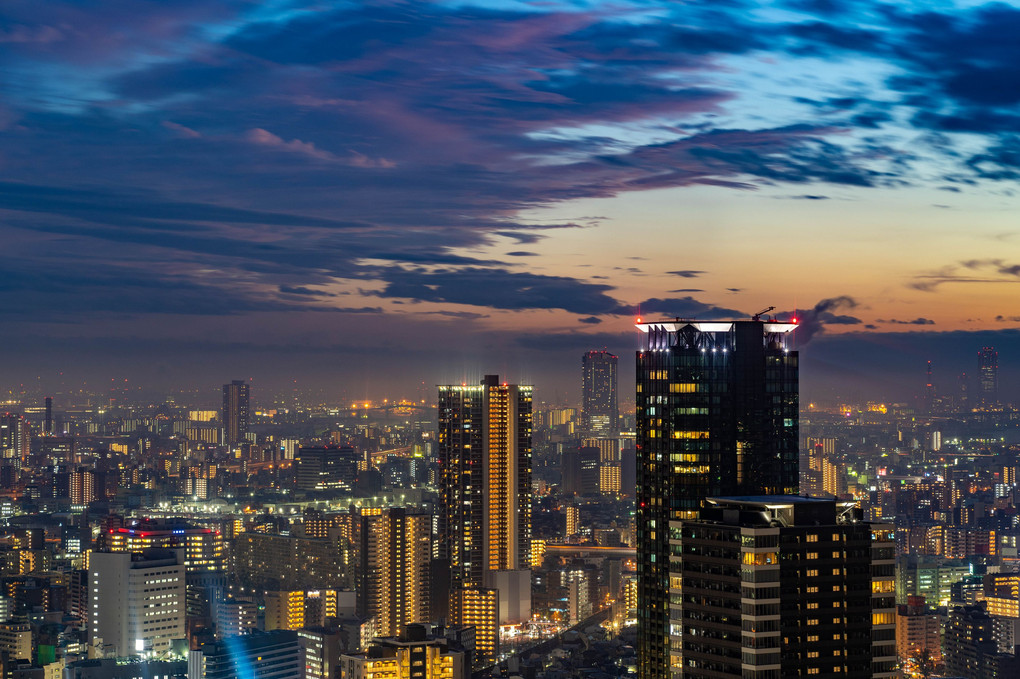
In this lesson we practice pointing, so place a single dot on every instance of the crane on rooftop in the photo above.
(757, 316)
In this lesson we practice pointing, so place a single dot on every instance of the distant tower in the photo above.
(48, 427)
(235, 412)
(599, 410)
(988, 376)
(929, 394)
(964, 386)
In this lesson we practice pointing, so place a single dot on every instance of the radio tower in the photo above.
(929, 394)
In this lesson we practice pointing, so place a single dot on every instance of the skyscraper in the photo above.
(783, 586)
(599, 410)
(988, 376)
(321, 467)
(235, 412)
(717, 414)
(485, 521)
(393, 565)
(138, 607)
(15, 438)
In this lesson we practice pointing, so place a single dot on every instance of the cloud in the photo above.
(679, 307)
(994, 270)
(302, 290)
(591, 320)
(265, 138)
(812, 322)
(181, 131)
(496, 288)
(916, 321)
(686, 273)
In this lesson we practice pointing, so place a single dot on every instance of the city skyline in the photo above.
(287, 192)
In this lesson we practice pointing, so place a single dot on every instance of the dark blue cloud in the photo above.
(498, 289)
(916, 321)
(680, 307)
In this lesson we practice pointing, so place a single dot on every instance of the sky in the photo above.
(370, 197)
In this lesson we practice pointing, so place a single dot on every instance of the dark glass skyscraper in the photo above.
(717, 414)
(599, 410)
(235, 412)
(988, 376)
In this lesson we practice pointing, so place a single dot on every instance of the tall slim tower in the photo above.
(717, 415)
(235, 412)
(988, 376)
(485, 520)
(929, 393)
(599, 410)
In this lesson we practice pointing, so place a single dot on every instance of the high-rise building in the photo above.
(969, 648)
(267, 655)
(782, 586)
(15, 438)
(393, 567)
(138, 601)
(299, 608)
(412, 655)
(234, 616)
(323, 647)
(988, 376)
(717, 414)
(484, 446)
(83, 486)
(236, 416)
(600, 412)
(287, 562)
(917, 630)
(325, 467)
(204, 547)
(16, 640)
(609, 463)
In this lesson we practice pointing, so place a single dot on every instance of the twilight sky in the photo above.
(373, 195)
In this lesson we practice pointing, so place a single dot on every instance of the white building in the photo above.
(137, 601)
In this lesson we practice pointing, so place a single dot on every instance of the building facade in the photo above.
(265, 655)
(988, 376)
(393, 567)
(413, 655)
(325, 467)
(764, 587)
(717, 414)
(236, 413)
(600, 412)
(138, 601)
(484, 446)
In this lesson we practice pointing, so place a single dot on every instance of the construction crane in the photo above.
(757, 316)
